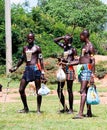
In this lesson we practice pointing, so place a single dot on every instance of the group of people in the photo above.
(34, 71)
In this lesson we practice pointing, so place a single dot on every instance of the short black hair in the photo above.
(85, 33)
(31, 33)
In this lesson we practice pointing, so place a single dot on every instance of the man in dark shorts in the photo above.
(34, 71)
(86, 70)
(69, 56)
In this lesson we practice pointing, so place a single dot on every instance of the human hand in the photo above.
(43, 79)
(12, 69)
(62, 63)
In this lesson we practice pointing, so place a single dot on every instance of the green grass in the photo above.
(49, 119)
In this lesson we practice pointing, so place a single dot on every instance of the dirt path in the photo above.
(15, 97)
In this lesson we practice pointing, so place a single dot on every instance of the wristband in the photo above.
(42, 72)
(15, 68)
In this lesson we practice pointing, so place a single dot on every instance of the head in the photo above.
(68, 39)
(84, 35)
(30, 38)
(1, 87)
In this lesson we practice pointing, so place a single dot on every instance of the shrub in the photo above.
(101, 69)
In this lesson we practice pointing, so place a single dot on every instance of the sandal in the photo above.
(78, 117)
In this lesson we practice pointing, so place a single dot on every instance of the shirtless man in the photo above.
(85, 72)
(69, 56)
(31, 55)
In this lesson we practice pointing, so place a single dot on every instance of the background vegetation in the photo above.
(51, 19)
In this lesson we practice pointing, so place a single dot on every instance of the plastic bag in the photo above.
(92, 96)
(44, 90)
(61, 76)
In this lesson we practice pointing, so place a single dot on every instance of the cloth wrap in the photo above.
(84, 72)
(70, 73)
(31, 73)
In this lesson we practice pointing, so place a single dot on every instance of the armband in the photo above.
(15, 68)
(40, 56)
(42, 72)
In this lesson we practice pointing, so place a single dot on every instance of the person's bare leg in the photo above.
(61, 96)
(70, 95)
(83, 96)
(89, 111)
(22, 87)
(39, 97)
(60, 93)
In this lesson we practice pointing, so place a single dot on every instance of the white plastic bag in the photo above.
(61, 76)
(44, 90)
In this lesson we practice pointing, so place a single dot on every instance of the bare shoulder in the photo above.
(92, 48)
(24, 48)
(74, 50)
(38, 48)
(91, 45)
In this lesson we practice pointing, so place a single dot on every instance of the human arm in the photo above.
(92, 51)
(40, 58)
(57, 41)
(20, 62)
(74, 61)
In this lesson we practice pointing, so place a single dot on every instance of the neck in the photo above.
(87, 41)
(30, 45)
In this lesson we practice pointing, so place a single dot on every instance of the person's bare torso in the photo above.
(85, 57)
(31, 55)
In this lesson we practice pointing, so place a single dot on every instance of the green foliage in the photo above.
(2, 69)
(101, 69)
(97, 41)
(86, 14)
(53, 19)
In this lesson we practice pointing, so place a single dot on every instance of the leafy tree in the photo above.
(22, 24)
(89, 14)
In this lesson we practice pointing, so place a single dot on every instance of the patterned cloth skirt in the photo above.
(31, 73)
(70, 74)
(84, 72)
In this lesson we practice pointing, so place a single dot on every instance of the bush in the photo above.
(101, 69)
(2, 69)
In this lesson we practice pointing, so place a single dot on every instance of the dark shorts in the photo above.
(85, 73)
(31, 73)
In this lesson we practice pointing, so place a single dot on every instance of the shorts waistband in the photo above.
(31, 67)
(83, 67)
(86, 66)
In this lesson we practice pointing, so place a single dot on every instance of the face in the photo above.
(30, 38)
(67, 40)
(82, 38)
